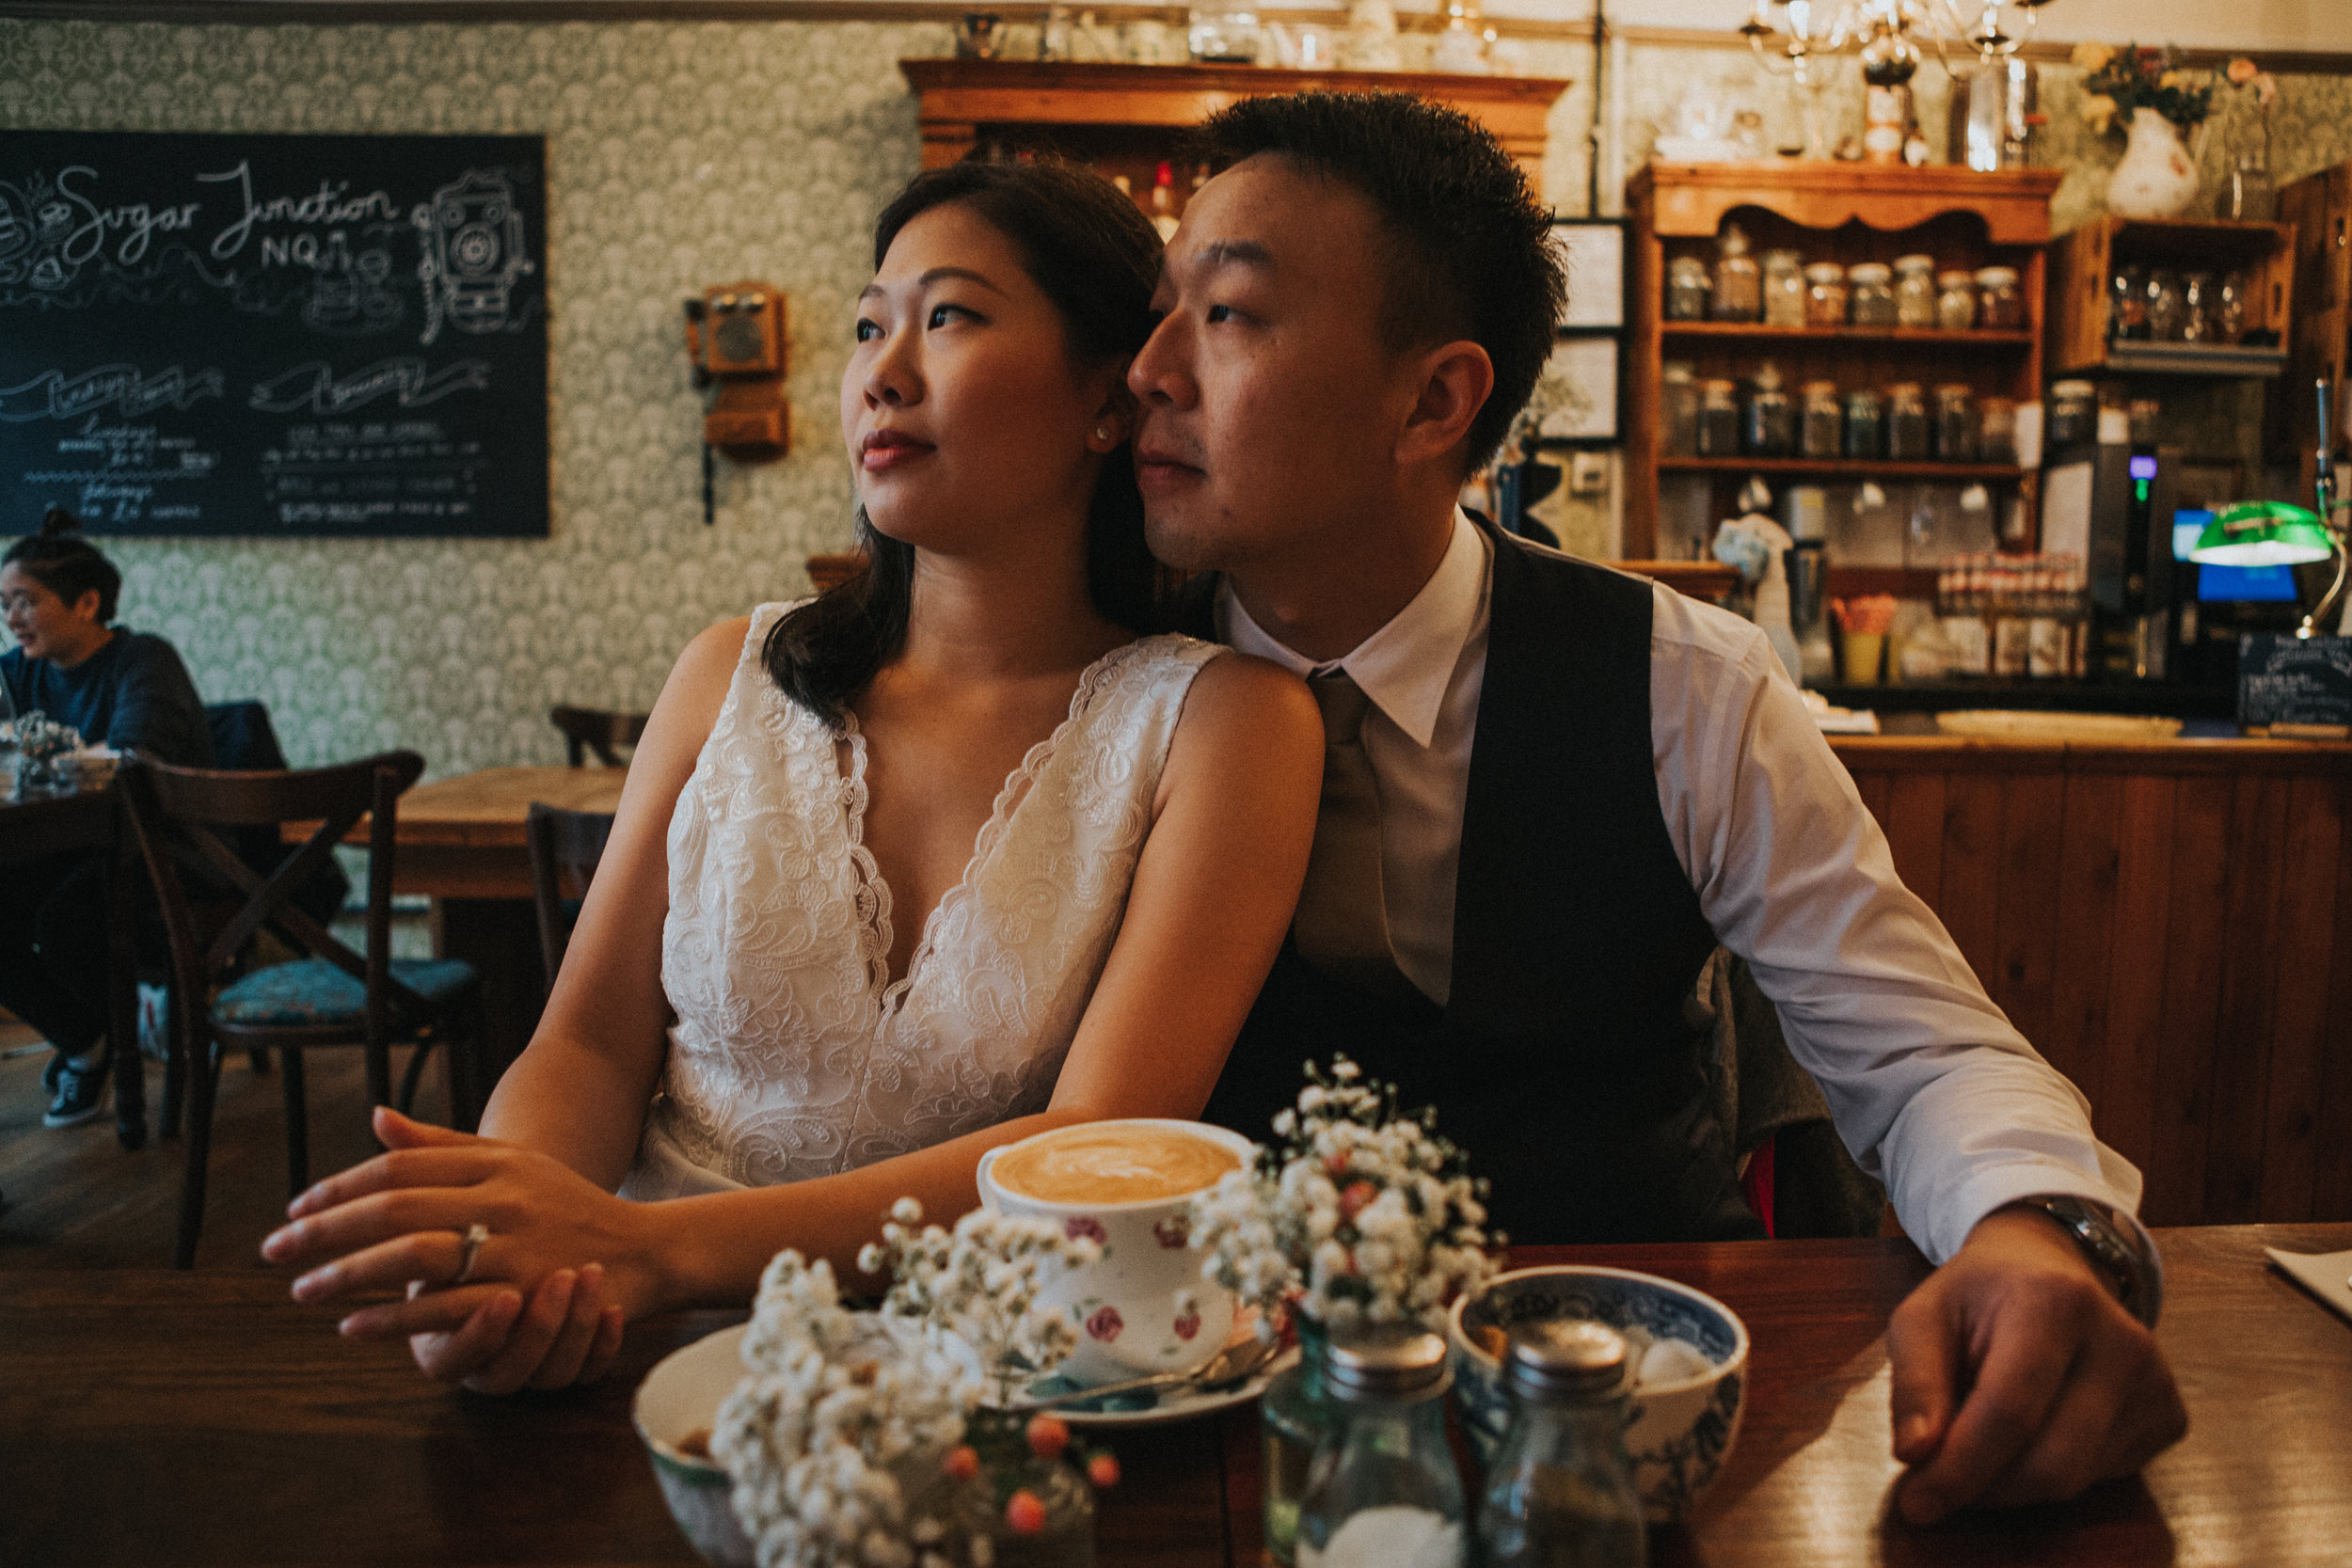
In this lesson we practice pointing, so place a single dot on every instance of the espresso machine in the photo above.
(2111, 502)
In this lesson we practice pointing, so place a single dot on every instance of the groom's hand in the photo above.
(2018, 1378)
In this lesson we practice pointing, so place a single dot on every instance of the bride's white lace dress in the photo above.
(793, 1054)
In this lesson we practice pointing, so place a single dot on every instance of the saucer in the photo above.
(1154, 1407)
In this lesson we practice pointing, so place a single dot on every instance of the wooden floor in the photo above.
(74, 1199)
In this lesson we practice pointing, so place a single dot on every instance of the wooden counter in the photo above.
(2171, 924)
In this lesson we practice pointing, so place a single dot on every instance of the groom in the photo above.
(1551, 790)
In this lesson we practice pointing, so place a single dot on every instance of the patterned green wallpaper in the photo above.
(677, 154)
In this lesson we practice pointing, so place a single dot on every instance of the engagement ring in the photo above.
(476, 1234)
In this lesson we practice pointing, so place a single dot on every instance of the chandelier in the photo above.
(1886, 33)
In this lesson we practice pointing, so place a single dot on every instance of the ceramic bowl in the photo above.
(680, 1398)
(1681, 1431)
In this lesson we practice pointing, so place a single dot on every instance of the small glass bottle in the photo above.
(1784, 288)
(1383, 1486)
(1719, 419)
(1739, 282)
(1956, 422)
(1822, 428)
(1915, 290)
(1906, 422)
(2000, 304)
(1824, 295)
(1870, 291)
(1866, 425)
(1560, 1491)
(1770, 428)
(1955, 301)
(1688, 289)
(1678, 422)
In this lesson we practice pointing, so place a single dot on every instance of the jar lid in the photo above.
(1765, 378)
(1576, 1361)
(1820, 389)
(1863, 394)
(1384, 1364)
(1903, 389)
(1677, 370)
(1955, 279)
(1688, 265)
(1782, 259)
(1996, 278)
(1955, 390)
(2073, 389)
(1825, 272)
(1733, 241)
(1721, 388)
(1914, 263)
(1870, 271)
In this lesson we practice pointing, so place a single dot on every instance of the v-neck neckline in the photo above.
(875, 930)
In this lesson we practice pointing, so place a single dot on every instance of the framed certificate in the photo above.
(1577, 398)
(1592, 250)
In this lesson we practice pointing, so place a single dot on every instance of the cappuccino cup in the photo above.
(1126, 1186)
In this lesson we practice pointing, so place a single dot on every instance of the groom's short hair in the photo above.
(1468, 251)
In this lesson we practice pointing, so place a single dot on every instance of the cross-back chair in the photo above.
(566, 846)
(588, 729)
(185, 820)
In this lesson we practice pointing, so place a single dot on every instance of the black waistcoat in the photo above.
(1564, 1061)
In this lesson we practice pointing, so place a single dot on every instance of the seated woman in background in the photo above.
(121, 689)
(757, 1031)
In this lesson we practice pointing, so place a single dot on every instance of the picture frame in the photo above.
(1591, 251)
(1586, 386)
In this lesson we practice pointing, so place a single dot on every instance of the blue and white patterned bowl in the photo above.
(1680, 1432)
(679, 1398)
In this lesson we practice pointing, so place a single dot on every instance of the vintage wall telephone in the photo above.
(735, 335)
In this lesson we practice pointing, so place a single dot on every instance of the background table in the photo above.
(161, 1419)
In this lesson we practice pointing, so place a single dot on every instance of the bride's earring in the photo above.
(1104, 433)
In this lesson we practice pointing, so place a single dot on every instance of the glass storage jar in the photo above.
(1906, 423)
(1770, 428)
(1690, 289)
(2000, 304)
(2074, 413)
(2167, 307)
(2196, 308)
(2228, 310)
(1784, 288)
(1822, 428)
(1824, 295)
(2127, 306)
(1866, 425)
(1678, 420)
(1996, 432)
(1956, 422)
(1915, 290)
(1719, 419)
(1383, 1486)
(1870, 295)
(1739, 282)
(1955, 301)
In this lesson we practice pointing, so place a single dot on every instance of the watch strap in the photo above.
(2115, 1246)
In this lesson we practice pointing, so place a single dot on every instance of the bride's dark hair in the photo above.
(1097, 258)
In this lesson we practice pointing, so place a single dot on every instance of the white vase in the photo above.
(2157, 179)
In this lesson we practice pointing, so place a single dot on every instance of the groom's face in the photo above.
(1269, 404)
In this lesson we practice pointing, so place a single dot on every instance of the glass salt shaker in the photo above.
(1560, 1491)
(1784, 288)
(1382, 1487)
(1915, 290)
(1739, 284)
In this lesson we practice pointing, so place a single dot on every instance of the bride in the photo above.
(942, 858)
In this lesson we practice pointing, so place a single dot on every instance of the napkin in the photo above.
(2325, 1275)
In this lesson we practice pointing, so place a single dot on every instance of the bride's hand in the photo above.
(564, 1262)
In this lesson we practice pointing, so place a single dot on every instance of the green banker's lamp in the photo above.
(2274, 533)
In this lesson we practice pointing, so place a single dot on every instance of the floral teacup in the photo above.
(1141, 1306)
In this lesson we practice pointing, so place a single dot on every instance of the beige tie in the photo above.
(1342, 926)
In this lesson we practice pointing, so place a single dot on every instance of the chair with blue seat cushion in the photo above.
(565, 848)
(185, 819)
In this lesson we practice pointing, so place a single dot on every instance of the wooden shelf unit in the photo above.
(2083, 262)
(1127, 119)
(2320, 208)
(1843, 212)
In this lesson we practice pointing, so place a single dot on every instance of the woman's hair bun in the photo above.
(57, 522)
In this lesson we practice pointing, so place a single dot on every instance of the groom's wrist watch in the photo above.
(2116, 1249)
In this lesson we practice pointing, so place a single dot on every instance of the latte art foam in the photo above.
(1111, 1162)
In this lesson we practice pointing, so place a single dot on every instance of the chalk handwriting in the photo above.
(328, 206)
(313, 385)
(54, 395)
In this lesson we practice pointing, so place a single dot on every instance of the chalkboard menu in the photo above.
(276, 336)
(2291, 680)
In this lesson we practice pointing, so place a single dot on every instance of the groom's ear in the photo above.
(1451, 384)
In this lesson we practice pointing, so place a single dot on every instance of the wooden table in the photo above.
(161, 1419)
(461, 843)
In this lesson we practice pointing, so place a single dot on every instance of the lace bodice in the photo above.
(791, 1057)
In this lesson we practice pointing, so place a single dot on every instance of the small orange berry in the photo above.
(962, 1463)
(1102, 1471)
(1048, 1436)
(1024, 1513)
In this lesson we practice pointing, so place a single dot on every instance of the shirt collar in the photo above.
(1406, 665)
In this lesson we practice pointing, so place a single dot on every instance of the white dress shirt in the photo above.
(1931, 1087)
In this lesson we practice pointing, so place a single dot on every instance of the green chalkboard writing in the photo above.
(274, 335)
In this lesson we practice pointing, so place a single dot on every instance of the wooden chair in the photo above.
(333, 997)
(566, 846)
(588, 729)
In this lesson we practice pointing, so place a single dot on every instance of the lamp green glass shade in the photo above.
(2263, 533)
